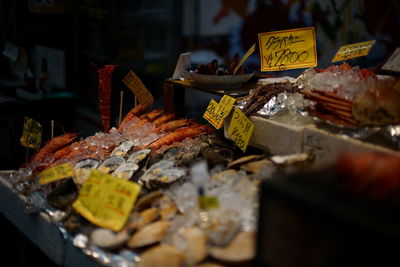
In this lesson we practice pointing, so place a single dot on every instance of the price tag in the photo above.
(217, 112)
(288, 49)
(184, 62)
(55, 173)
(248, 53)
(240, 129)
(353, 50)
(211, 111)
(137, 87)
(31, 134)
(106, 201)
(393, 63)
(208, 202)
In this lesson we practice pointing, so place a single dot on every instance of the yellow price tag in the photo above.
(31, 134)
(208, 202)
(211, 112)
(240, 129)
(288, 49)
(106, 200)
(137, 87)
(217, 112)
(353, 50)
(248, 53)
(55, 173)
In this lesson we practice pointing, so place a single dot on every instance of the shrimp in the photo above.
(52, 146)
(179, 135)
(172, 125)
(150, 116)
(163, 119)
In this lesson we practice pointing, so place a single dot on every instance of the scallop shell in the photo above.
(110, 164)
(123, 149)
(125, 170)
(150, 234)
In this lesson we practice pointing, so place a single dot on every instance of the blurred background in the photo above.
(50, 49)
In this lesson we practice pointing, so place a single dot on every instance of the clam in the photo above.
(193, 242)
(163, 255)
(123, 149)
(149, 234)
(138, 220)
(125, 170)
(241, 249)
(110, 164)
(107, 239)
(147, 200)
(168, 207)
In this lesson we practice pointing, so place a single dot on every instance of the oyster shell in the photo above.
(110, 164)
(139, 156)
(123, 149)
(161, 177)
(82, 170)
(125, 170)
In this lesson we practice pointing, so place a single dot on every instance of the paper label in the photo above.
(106, 200)
(208, 202)
(31, 134)
(217, 112)
(248, 53)
(393, 63)
(137, 87)
(288, 49)
(240, 129)
(55, 173)
(353, 50)
(184, 62)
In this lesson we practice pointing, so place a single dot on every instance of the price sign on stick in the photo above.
(393, 63)
(217, 112)
(353, 50)
(248, 53)
(288, 49)
(106, 201)
(55, 173)
(31, 134)
(240, 129)
(137, 87)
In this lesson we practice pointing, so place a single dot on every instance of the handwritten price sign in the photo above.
(137, 87)
(240, 129)
(31, 134)
(55, 173)
(217, 112)
(353, 50)
(289, 49)
(106, 200)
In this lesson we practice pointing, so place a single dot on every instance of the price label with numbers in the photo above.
(139, 90)
(288, 49)
(208, 202)
(353, 50)
(106, 200)
(217, 112)
(240, 129)
(55, 173)
(31, 134)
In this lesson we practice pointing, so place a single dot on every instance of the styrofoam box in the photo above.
(327, 146)
(274, 137)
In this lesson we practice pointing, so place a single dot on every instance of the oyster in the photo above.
(82, 170)
(158, 177)
(139, 156)
(110, 164)
(123, 149)
(125, 170)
